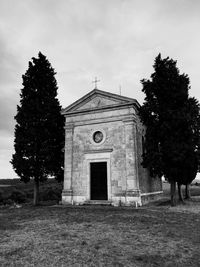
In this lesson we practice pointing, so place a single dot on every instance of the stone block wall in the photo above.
(147, 183)
(83, 144)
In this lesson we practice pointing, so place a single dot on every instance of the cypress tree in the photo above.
(39, 130)
(191, 164)
(167, 113)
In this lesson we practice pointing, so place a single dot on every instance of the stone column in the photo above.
(67, 190)
(132, 185)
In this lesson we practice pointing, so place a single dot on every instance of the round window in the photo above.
(98, 137)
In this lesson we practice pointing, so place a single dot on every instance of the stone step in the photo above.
(98, 202)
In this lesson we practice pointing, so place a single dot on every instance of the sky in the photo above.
(113, 40)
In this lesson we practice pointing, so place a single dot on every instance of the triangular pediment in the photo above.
(97, 99)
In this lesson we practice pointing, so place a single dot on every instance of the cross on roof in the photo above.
(95, 82)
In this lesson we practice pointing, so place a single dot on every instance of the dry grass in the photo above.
(100, 236)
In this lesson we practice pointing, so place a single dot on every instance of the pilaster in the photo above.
(67, 190)
(132, 188)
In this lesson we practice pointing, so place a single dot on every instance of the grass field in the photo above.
(153, 235)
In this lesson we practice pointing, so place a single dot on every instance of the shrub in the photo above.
(1, 196)
(7, 201)
(50, 194)
(28, 193)
(18, 196)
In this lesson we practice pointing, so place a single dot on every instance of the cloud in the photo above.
(115, 40)
(9, 64)
(6, 151)
(7, 112)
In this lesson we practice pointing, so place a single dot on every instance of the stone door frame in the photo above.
(98, 157)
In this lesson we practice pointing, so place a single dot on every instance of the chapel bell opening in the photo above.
(98, 181)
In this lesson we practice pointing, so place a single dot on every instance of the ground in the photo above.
(153, 235)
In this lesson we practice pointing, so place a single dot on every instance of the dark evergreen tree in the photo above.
(191, 165)
(39, 130)
(169, 136)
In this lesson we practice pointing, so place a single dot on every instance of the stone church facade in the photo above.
(103, 148)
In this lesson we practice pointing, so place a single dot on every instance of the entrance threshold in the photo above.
(98, 202)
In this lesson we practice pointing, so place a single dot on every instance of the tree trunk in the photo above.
(187, 191)
(180, 193)
(173, 193)
(36, 192)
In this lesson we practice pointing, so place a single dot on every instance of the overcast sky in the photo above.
(115, 40)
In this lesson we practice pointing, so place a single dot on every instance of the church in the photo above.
(103, 153)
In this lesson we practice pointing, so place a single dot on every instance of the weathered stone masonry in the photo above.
(113, 121)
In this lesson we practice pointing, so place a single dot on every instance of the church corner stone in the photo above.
(103, 148)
